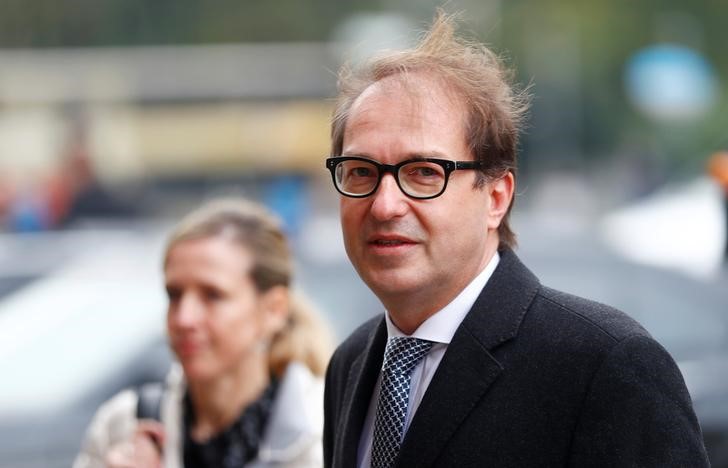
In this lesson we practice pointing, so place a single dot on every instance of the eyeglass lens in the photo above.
(416, 178)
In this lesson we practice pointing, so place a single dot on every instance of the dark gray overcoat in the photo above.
(532, 378)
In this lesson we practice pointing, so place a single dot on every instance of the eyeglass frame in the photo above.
(447, 165)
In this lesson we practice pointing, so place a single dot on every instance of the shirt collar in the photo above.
(441, 326)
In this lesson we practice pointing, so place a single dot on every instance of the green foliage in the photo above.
(78, 23)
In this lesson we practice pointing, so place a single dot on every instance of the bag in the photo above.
(149, 405)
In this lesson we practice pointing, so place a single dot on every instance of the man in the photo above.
(474, 363)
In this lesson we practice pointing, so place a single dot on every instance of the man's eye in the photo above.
(425, 172)
(362, 172)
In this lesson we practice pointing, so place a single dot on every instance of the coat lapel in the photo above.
(468, 368)
(359, 387)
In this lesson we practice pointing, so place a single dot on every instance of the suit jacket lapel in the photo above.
(359, 387)
(468, 368)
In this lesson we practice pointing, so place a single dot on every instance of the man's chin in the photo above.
(392, 284)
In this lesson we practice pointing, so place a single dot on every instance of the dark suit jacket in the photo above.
(532, 377)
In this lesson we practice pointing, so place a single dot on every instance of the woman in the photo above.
(248, 390)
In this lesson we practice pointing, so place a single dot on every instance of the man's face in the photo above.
(415, 253)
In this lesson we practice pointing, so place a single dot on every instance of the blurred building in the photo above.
(145, 114)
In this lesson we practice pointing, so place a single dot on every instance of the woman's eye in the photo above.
(213, 295)
(173, 294)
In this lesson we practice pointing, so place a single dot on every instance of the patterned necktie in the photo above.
(400, 357)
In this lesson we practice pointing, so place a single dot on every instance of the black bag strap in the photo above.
(149, 405)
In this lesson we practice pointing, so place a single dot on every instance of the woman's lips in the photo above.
(186, 348)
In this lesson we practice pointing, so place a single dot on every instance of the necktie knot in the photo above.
(403, 354)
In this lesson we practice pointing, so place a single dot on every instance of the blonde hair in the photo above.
(305, 337)
(495, 110)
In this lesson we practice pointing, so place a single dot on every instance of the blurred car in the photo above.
(74, 335)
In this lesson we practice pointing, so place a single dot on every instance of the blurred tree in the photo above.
(80, 23)
(591, 42)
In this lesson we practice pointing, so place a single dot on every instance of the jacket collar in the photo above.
(296, 419)
(295, 424)
(468, 364)
(358, 393)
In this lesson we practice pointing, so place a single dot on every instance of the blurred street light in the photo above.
(670, 83)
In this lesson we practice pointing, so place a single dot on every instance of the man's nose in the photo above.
(389, 201)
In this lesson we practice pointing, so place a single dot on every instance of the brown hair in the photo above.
(495, 109)
(305, 338)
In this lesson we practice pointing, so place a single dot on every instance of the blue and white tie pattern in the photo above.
(400, 357)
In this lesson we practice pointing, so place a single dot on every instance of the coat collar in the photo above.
(359, 387)
(295, 424)
(468, 364)
(296, 419)
(499, 310)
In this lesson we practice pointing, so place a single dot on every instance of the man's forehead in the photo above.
(417, 83)
(411, 90)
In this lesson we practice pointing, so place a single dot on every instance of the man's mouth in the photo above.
(392, 241)
(387, 242)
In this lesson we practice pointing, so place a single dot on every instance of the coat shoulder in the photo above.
(113, 422)
(566, 309)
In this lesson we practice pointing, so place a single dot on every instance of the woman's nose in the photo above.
(187, 311)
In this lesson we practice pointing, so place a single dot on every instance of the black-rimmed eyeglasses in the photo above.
(420, 178)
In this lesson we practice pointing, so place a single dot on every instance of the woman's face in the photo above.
(217, 320)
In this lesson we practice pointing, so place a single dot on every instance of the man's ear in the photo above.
(275, 307)
(500, 194)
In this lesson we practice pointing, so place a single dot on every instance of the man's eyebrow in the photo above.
(413, 156)
(426, 155)
(417, 157)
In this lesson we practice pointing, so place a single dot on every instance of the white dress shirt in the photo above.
(439, 329)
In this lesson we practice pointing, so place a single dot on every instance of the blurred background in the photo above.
(119, 116)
